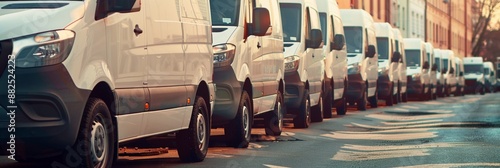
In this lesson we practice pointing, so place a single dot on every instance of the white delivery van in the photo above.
(402, 80)
(474, 75)
(362, 61)
(387, 84)
(490, 76)
(433, 69)
(449, 68)
(417, 68)
(304, 60)
(438, 61)
(106, 72)
(460, 77)
(248, 67)
(335, 82)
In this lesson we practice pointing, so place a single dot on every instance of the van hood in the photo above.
(26, 18)
(355, 59)
(383, 63)
(473, 76)
(291, 49)
(413, 70)
(221, 34)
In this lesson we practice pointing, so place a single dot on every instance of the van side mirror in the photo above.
(396, 56)
(124, 5)
(316, 39)
(261, 21)
(426, 65)
(461, 74)
(492, 74)
(452, 70)
(444, 70)
(370, 53)
(338, 42)
(434, 67)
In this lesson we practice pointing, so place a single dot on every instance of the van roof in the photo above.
(383, 29)
(413, 43)
(429, 47)
(328, 5)
(355, 17)
(307, 2)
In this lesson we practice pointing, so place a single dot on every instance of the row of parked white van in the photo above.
(104, 73)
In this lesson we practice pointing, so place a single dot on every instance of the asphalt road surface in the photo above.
(448, 132)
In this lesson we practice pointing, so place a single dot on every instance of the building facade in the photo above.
(438, 23)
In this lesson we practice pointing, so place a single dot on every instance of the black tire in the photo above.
(361, 103)
(341, 106)
(96, 129)
(273, 121)
(238, 131)
(318, 111)
(373, 100)
(303, 118)
(389, 101)
(404, 97)
(483, 90)
(192, 143)
(399, 94)
(447, 90)
(328, 104)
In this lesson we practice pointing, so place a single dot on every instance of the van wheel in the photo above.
(192, 143)
(327, 104)
(96, 138)
(362, 101)
(398, 95)
(238, 131)
(404, 97)
(317, 111)
(389, 101)
(483, 90)
(373, 100)
(274, 120)
(341, 106)
(303, 118)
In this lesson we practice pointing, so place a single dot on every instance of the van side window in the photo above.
(366, 40)
(332, 35)
(248, 16)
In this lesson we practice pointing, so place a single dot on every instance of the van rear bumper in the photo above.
(47, 111)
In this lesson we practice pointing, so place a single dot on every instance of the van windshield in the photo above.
(225, 12)
(322, 19)
(290, 15)
(412, 58)
(445, 64)
(383, 48)
(486, 71)
(354, 39)
(438, 64)
(473, 69)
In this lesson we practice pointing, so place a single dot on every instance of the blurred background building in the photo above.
(447, 24)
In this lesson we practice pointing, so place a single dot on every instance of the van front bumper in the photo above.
(471, 86)
(294, 91)
(357, 87)
(47, 111)
(228, 95)
(415, 87)
(385, 85)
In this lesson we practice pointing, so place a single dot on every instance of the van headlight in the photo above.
(223, 54)
(292, 63)
(44, 49)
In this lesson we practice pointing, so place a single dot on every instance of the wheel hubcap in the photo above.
(98, 140)
(201, 125)
(246, 122)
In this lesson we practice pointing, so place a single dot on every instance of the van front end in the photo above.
(357, 85)
(416, 85)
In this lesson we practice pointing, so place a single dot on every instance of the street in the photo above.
(448, 132)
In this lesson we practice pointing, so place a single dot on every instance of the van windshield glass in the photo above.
(445, 64)
(290, 16)
(225, 12)
(383, 48)
(354, 39)
(473, 69)
(322, 19)
(486, 71)
(412, 58)
(438, 64)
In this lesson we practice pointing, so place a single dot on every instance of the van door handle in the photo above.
(258, 45)
(137, 30)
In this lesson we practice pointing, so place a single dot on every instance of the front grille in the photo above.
(5, 51)
(470, 82)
